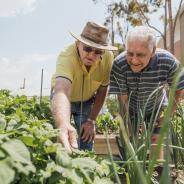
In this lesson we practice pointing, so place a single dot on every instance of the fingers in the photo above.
(155, 138)
(89, 138)
(73, 138)
(92, 137)
(84, 131)
(88, 132)
(68, 137)
(63, 138)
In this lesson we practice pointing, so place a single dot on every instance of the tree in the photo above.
(137, 12)
(172, 23)
(126, 13)
(168, 20)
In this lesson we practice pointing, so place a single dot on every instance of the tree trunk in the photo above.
(165, 26)
(112, 25)
(171, 32)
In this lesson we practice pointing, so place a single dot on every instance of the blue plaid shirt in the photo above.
(146, 89)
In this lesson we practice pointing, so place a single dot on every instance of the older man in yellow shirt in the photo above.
(81, 81)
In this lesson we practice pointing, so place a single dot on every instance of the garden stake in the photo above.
(81, 109)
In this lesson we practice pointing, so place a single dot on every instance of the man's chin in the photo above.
(88, 63)
(135, 70)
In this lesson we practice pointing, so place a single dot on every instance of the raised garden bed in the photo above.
(100, 145)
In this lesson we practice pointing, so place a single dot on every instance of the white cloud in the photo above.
(14, 70)
(11, 8)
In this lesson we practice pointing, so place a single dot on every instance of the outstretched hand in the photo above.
(68, 137)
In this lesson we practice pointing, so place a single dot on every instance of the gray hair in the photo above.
(142, 33)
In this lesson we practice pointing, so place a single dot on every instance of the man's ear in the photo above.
(77, 43)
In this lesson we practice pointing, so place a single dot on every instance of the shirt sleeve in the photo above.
(64, 67)
(174, 70)
(53, 81)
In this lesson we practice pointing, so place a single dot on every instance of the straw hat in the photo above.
(94, 35)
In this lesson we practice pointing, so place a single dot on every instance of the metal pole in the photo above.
(41, 86)
(24, 84)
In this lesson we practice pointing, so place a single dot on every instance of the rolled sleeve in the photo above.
(64, 68)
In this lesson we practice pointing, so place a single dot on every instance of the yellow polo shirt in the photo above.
(84, 83)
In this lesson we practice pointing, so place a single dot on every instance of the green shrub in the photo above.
(29, 153)
(106, 121)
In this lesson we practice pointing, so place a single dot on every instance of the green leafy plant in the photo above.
(135, 150)
(106, 121)
(177, 135)
(112, 105)
(29, 153)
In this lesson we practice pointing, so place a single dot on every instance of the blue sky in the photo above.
(32, 33)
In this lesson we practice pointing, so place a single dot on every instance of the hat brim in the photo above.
(93, 44)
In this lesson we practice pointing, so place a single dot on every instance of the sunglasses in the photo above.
(90, 49)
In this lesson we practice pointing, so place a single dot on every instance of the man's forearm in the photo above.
(124, 112)
(178, 97)
(123, 104)
(61, 109)
(99, 101)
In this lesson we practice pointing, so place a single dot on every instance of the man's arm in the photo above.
(123, 103)
(179, 94)
(88, 128)
(178, 97)
(61, 112)
(124, 112)
(99, 101)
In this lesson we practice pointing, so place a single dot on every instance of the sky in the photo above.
(33, 32)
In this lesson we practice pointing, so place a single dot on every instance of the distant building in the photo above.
(179, 37)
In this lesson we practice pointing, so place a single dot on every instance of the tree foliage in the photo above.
(125, 13)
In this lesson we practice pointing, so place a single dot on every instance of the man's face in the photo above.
(89, 54)
(138, 55)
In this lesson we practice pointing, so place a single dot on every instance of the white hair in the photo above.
(142, 33)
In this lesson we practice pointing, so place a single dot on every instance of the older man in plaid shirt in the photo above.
(139, 77)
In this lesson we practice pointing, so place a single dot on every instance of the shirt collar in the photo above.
(153, 63)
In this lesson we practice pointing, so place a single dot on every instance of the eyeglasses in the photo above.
(89, 49)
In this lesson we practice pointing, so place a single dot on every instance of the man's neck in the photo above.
(88, 68)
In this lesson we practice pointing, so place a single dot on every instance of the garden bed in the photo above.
(101, 147)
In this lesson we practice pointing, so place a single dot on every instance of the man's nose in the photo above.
(134, 59)
(92, 54)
